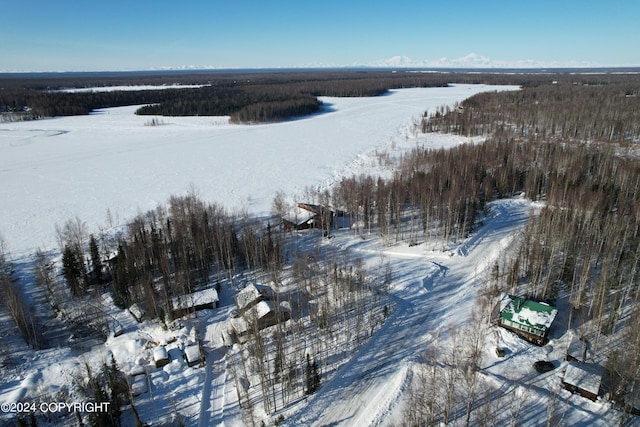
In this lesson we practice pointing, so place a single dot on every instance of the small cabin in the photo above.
(160, 357)
(201, 300)
(529, 319)
(257, 308)
(307, 215)
(137, 312)
(583, 379)
(251, 295)
(192, 355)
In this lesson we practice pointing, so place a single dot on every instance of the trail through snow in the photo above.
(366, 388)
(212, 400)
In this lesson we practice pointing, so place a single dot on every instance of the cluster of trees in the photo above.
(447, 386)
(608, 112)
(277, 110)
(108, 385)
(245, 103)
(337, 304)
(435, 195)
(163, 254)
(172, 251)
(13, 301)
(36, 104)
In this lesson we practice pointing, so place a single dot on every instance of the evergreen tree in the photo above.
(315, 375)
(73, 270)
(118, 387)
(308, 376)
(312, 375)
(120, 284)
(96, 262)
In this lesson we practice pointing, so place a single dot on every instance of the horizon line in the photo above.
(338, 67)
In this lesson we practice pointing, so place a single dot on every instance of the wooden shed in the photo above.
(583, 379)
(137, 312)
(201, 300)
(192, 355)
(160, 357)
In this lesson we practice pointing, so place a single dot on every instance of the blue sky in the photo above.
(63, 35)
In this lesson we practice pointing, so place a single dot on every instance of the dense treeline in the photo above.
(276, 110)
(607, 112)
(257, 103)
(165, 253)
(282, 93)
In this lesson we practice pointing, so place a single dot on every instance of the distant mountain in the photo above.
(474, 60)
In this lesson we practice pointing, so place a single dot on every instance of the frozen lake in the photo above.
(53, 170)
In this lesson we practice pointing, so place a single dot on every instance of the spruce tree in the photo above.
(72, 269)
(309, 376)
(96, 262)
(312, 376)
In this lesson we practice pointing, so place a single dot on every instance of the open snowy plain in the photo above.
(53, 170)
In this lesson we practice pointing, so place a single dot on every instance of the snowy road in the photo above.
(428, 294)
(212, 400)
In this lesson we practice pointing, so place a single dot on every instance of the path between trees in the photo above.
(367, 387)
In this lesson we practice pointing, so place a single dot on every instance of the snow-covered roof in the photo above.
(137, 311)
(585, 377)
(263, 308)
(239, 325)
(192, 353)
(160, 353)
(527, 312)
(252, 293)
(298, 216)
(203, 297)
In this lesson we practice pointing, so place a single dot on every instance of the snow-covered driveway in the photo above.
(432, 295)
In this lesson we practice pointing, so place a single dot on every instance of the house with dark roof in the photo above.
(306, 215)
(529, 319)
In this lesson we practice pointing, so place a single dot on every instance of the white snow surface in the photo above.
(53, 170)
(126, 88)
(195, 299)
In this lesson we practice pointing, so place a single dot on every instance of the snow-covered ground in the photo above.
(56, 169)
(127, 88)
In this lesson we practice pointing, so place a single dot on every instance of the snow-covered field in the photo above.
(54, 170)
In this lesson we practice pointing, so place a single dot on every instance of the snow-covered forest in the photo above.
(377, 235)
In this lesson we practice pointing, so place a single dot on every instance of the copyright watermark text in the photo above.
(53, 407)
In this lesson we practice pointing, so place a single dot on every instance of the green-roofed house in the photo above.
(527, 318)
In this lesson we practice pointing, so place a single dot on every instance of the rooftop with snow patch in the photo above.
(527, 312)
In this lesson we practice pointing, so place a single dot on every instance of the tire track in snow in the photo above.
(212, 399)
(355, 394)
